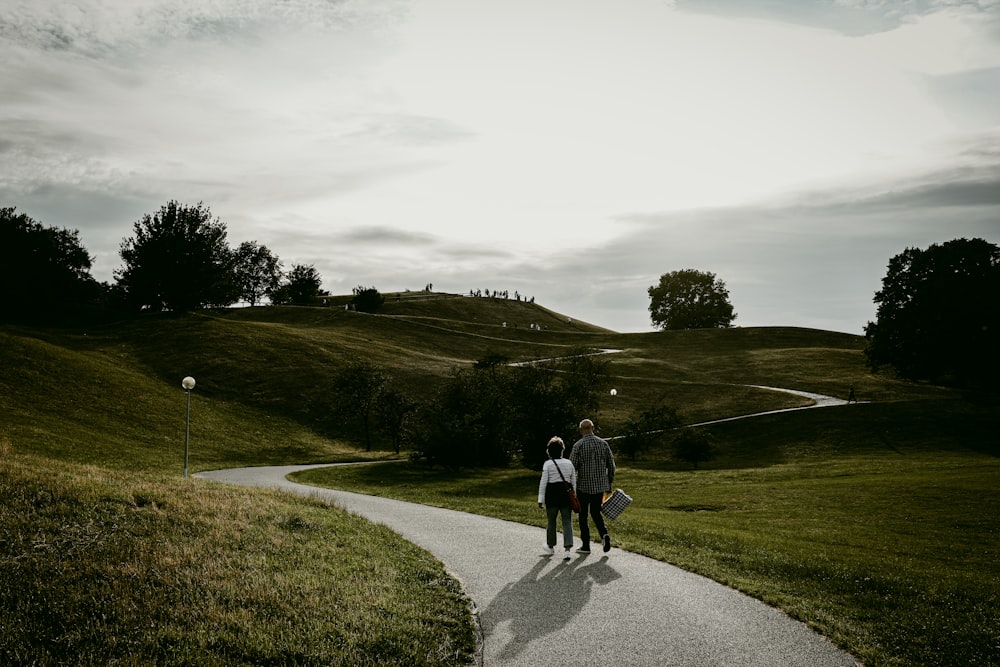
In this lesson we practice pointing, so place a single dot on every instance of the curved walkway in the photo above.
(608, 609)
(818, 401)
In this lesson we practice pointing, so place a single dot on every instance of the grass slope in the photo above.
(875, 524)
(802, 509)
(102, 567)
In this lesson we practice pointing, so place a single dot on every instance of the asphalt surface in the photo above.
(603, 609)
(818, 401)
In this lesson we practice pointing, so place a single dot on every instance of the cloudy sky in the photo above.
(572, 150)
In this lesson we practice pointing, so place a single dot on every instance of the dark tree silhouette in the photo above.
(493, 413)
(358, 388)
(552, 397)
(257, 271)
(301, 287)
(41, 268)
(690, 299)
(938, 315)
(693, 446)
(367, 299)
(468, 422)
(395, 411)
(647, 430)
(177, 260)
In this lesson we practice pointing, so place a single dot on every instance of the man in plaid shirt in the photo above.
(595, 471)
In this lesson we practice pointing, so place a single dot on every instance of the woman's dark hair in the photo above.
(555, 447)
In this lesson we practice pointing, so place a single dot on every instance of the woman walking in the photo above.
(557, 474)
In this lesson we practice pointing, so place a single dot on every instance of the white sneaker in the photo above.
(566, 555)
(548, 551)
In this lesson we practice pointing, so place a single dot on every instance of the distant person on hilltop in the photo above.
(557, 474)
(595, 468)
(851, 396)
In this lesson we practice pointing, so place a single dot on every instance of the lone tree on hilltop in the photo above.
(177, 260)
(258, 271)
(41, 267)
(938, 315)
(690, 299)
(367, 299)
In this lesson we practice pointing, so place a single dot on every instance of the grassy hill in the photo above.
(110, 393)
(103, 403)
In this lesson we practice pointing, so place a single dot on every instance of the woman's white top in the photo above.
(550, 475)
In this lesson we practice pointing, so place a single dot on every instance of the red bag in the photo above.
(574, 502)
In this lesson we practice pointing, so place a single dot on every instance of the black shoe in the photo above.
(607, 543)
(583, 550)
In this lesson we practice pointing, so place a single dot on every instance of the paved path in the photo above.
(614, 609)
(818, 401)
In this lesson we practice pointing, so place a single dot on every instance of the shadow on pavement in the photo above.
(544, 600)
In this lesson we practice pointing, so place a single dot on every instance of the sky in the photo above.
(570, 150)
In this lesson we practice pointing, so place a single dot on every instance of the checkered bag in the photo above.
(615, 504)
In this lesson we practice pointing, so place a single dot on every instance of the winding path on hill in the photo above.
(617, 608)
(818, 401)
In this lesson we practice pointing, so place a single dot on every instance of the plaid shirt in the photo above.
(594, 463)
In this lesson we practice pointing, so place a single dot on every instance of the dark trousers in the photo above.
(566, 512)
(590, 503)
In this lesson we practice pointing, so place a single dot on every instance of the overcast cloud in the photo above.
(572, 150)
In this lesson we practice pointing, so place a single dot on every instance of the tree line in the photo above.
(494, 414)
(177, 259)
(938, 320)
(938, 316)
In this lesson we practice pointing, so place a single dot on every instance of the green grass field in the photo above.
(874, 523)
(106, 567)
(886, 542)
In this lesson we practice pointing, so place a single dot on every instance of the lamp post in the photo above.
(614, 392)
(188, 384)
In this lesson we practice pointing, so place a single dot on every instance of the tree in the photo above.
(41, 267)
(177, 260)
(491, 359)
(257, 271)
(690, 299)
(395, 410)
(938, 314)
(648, 430)
(367, 299)
(359, 386)
(693, 446)
(468, 423)
(550, 399)
(493, 413)
(301, 286)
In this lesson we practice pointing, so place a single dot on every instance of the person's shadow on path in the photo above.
(539, 604)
